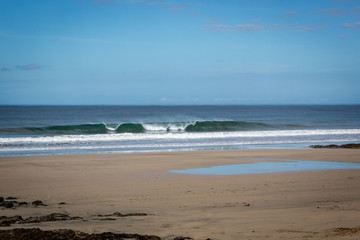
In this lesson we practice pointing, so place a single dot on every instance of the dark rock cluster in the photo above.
(62, 234)
(38, 203)
(346, 231)
(10, 202)
(117, 214)
(350, 145)
(7, 221)
(67, 234)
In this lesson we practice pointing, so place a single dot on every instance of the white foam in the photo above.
(163, 146)
(111, 128)
(164, 127)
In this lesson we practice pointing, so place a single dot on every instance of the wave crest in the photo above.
(130, 128)
(74, 129)
(159, 127)
(224, 126)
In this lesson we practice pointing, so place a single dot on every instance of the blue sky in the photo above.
(131, 52)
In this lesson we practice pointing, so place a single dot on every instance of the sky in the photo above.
(179, 52)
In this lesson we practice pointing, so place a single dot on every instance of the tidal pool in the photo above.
(279, 165)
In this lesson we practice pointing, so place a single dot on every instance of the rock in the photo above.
(38, 203)
(11, 204)
(128, 214)
(36, 233)
(105, 219)
(62, 203)
(183, 238)
(54, 217)
(113, 236)
(22, 204)
(7, 221)
(7, 204)
(350, 146)
(342, 231)
(11, 198)
(67, 234)
(117, 214)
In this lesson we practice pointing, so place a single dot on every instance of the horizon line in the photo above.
(174, 105)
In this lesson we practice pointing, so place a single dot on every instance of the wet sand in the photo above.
(290, 205)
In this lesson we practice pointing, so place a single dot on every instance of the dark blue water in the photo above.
(38, 130)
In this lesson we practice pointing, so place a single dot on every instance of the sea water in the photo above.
(53, 130)
(273, 166)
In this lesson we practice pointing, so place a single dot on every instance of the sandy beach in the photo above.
(290, 205)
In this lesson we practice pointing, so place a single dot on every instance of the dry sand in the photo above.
(293, 205)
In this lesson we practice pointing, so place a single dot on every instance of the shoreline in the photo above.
(292, 205)
(282, 146)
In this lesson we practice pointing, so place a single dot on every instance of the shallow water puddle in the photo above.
(279, 165)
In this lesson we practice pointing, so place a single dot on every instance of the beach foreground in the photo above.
(136, 193)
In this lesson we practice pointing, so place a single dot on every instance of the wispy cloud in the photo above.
(214, 21)
(257, 20)
(341, 1)
(163, 4)
(238, 28)
(131, 2)
(134, 2)
(353, 25)
(29, 67)
(291, 13)
(22, 67)
(5, 69)
(149, 2)
(345, 1)
(176, 7)
(58, 38)
(339, 12)
(103, 2)
(307, 27)
(256, 27)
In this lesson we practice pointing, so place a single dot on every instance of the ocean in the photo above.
(65, 130)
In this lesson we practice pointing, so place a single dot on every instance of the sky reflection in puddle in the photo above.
(269, 167)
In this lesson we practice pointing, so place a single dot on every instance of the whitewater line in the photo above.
(167, 146)
(173, 136)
